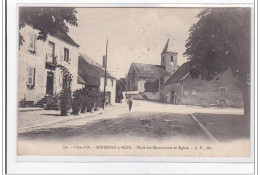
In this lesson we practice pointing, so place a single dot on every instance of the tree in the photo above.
(151, 86)
(220, 41)
(120, 87)
(48, 20)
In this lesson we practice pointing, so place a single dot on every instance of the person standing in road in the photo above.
(130, 103)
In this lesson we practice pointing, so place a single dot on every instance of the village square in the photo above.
(69, 99)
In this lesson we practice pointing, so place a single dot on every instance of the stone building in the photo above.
(37, 74)
(140, 73)
(92, 74)
(181, 88)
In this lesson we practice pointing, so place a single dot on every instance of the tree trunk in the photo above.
(246, 98)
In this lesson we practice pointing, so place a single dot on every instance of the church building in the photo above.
(139, 73)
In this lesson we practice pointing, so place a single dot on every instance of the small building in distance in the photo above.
(92, 74)
(181, 88)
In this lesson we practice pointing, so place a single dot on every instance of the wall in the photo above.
(170, 66)
(141, 83)
(152, 96)
(37, 60)
(132, 80)
(111, 87)
(207, 92)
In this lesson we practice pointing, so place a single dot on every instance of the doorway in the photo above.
(49, 85)
(172, 101)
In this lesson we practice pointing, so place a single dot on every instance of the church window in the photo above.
(171, 58)
(163, 58)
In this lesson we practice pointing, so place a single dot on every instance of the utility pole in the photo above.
(105, 79)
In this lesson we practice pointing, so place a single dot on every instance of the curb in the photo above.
(71, 118)
(204, 129)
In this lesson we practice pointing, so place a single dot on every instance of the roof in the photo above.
(59, 34)
(80, 80)
(169, 47)
(149, 70)
(179, 74)
(91, 72)
(65, 37)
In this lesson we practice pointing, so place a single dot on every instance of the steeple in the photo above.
(169, 57)
(169, 47)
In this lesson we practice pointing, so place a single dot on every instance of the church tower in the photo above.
(169, 57)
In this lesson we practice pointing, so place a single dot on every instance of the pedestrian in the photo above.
(130, 102)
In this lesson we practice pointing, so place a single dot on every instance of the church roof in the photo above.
(149, 70)
(169, 47)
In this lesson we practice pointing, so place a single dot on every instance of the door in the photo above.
(49, 86)
(172, 97)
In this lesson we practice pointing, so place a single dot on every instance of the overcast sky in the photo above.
(134, 34)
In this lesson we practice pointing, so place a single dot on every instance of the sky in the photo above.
(135, 35)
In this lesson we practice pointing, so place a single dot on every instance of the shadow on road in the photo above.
(226, 127)
(134, 124)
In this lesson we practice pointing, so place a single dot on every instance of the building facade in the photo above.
(93, 75)
(37, 73)
(181, 88)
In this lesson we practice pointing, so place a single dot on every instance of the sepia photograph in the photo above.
(134, 81)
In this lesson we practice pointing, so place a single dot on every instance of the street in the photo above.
(148, 123)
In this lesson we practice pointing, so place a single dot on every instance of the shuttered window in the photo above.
(30, 76)
(66, 54)
(32, 39)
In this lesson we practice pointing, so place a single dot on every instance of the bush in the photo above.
(92, 98)
(77, 101)
(151, 86)
(65, 101)
(65, 95)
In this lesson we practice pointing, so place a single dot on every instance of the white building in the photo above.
(37, 74)
(93, 74)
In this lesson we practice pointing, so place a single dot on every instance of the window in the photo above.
(66, 54)
(32, 38)
(30, 76)
(193, 92)
(185, 93)
(222, 90)
(51, 53)
(163, 58)
(172, 58)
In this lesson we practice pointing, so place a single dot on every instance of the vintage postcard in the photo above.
(144, 82)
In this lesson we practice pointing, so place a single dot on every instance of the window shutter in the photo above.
(30, 76)
(35, 45)
(32, 42)
(28, 41)
(61, 53)
(34, 77)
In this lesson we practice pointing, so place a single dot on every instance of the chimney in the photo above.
(104, 61)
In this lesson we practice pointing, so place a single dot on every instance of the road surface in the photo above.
(149, 123)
